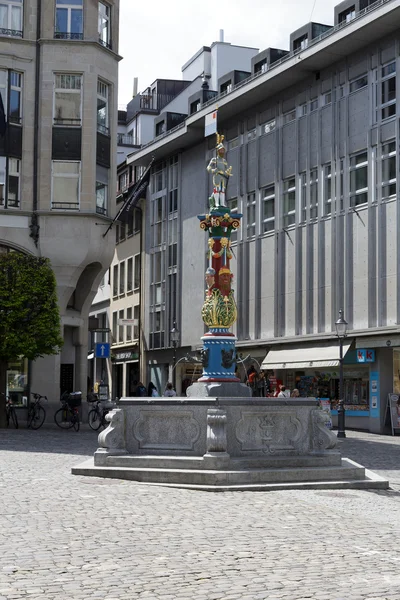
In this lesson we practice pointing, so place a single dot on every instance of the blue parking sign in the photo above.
(102, 350)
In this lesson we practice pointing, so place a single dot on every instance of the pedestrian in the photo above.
(141, 390)
(251, 379)
(169, 391)
(260, 385)
(152, 390)
(284, 393)
(295, 393)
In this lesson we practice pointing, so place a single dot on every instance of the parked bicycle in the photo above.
(36, 412)
(11, 413)
(97, 415)
(68, 415)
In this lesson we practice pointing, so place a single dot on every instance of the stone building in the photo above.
(58, 82)
(312, 135)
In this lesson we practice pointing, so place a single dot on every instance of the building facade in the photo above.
(58, 83)
(312, 135)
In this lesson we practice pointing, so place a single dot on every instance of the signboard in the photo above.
(210, 124)
(125, 355)
(128, 321)
(365, 356)
(394, 409)
(103, 393)
(102, 350)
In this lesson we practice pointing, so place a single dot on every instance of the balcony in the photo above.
(125, 140)
(65, 35)
(11, 32)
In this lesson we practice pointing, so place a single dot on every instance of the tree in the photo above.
(29, 315)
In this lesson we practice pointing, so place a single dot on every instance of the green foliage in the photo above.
(29, 316)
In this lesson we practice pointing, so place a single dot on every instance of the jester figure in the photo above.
(218, 166)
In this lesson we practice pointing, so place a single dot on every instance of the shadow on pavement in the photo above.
(49, 441)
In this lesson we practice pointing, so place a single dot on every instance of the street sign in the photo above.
(102, 350)
(127, 321)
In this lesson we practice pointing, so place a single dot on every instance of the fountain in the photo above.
(219, 437)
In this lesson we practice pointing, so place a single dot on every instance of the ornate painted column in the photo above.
(219, 311)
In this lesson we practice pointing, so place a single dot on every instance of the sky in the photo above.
(158, 37)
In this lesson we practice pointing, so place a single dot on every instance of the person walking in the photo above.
(141, 390)
(169, 391)
(295, 393)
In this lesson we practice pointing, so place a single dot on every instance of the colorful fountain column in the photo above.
(219, 310)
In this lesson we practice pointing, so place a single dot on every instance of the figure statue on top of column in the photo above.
(221, 172)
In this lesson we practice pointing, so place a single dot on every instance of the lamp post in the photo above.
(174, 336)
(341, 332)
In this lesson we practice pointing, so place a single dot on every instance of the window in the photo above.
(11, 17)
(303, 193)
(303, 109)
(313, 193)
(327, 189)
(128, 329)
(121, 327)
(136, 317)
(251, 135)
(66, 185)
(10, 186)
(347, 15)
(160, 128)
(389, 179)
(123, 181)
(102, 107)
(101, 198)
(341, 185)
(104, 25)
(313, 105)
(251, 215)
(115, 280)
(388, 91)
(233, 143)
(137, 271)
(359, 83)
(328, 98)
(268, 200)
(289, 202)
(122, 278)
(269, 126)
(359, 179)
(15, 108)
(172, 242)
(290, 116)
(69, 20)
(115, 326)
(129, 275)
(67, 99)
(173, 185)
(137, 220)
(157, 221)
(301, 43)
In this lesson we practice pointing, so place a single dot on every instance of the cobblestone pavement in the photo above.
(76, 538)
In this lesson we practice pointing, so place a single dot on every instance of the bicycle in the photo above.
(97, 415)
(67, 416)
(36, 412)
(11, 413)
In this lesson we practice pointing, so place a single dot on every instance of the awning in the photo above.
(305, 357)
(90, 356)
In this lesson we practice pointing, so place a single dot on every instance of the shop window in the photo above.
(17, 382)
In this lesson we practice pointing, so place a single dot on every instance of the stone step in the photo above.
(242, 477)
(331, 459)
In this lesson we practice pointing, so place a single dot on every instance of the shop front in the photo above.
(17, 382)
(314, 371)
(125, 372)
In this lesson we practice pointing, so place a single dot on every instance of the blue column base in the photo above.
(219, 356)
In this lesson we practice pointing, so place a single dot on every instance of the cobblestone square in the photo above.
(76, 538)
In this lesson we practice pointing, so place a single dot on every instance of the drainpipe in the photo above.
(34, 226)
